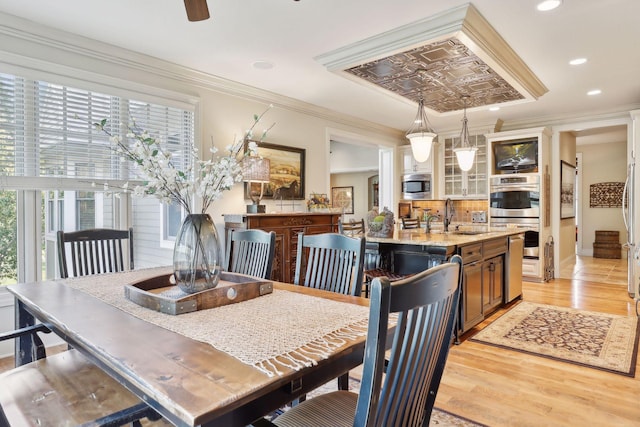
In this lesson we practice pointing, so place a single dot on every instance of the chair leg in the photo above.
(367, 284)
(343, 382)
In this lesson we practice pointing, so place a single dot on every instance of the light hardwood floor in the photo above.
(500, 387)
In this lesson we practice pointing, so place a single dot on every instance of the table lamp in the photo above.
(256, 170)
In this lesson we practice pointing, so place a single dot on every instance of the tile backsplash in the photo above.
(462, 208)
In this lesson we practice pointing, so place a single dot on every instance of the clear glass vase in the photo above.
(197, 257)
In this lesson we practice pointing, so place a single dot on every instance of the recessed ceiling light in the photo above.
(578, 61)
(263, 65)
(594, 92)
(547, 5)
(494, 108)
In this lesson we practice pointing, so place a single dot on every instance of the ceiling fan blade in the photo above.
(197, 10)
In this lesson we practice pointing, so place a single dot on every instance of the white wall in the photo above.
(359, 182)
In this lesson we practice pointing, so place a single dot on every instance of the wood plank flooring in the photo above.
(501, 387)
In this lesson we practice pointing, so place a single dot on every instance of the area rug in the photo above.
(598, 340)
(439, 417)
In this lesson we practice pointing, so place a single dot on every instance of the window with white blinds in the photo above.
(46, 130)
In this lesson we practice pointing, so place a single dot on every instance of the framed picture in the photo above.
(567, 190)
(342, 197)
(286, 180)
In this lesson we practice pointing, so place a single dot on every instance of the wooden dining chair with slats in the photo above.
(410, 223)
(331, 262)
(403, 394)
(351, 228)
(251, 252)
(94, 251)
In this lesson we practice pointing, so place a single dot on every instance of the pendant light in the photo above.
(465, 153)
(421, 135)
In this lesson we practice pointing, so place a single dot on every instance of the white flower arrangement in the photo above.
(205, 179)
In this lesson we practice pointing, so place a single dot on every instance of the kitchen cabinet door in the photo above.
(472, 311)
(410, 165)
(459, 184)
(493, 283)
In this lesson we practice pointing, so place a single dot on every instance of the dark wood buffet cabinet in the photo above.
(287, 226)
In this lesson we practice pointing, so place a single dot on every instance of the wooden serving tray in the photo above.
(159, 294)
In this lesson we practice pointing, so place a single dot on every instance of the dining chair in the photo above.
(426, 305)
(331, 262)
(374, 267)
(94, 251)
(64, 389)
(351, 228)
(251, 252)
(410, 223)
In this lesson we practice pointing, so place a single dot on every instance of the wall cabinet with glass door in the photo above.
(410, 165)
(456, 183)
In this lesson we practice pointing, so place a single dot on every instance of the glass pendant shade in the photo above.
(465, 153)
(465, 156)
(421, 145)
(421, 135)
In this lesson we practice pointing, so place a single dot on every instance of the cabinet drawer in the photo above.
(292, 220)
(530, 267)
(471, 253)
(494, 247)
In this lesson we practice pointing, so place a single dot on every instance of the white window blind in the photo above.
(46, 130)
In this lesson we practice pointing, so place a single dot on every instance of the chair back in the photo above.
(426, 305)
(251, 252)
(410, 223)
(330, 261)
(351, 228)
(94, 251)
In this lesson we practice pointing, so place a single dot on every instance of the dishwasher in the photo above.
(514, 268)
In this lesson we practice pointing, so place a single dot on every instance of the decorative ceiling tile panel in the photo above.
(441, 73)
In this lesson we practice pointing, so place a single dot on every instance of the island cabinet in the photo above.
(287, 226)
(483, 282)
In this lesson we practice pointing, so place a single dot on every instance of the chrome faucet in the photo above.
(449, 211)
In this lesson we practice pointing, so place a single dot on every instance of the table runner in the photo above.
(282, 329)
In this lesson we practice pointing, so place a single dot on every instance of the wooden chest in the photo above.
(607, 245)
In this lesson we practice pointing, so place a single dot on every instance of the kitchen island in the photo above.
(492, 263)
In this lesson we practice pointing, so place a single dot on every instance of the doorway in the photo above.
(601, 158)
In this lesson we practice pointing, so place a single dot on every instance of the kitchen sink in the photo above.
(468, 233)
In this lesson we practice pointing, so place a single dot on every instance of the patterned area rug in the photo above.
(439, 417)
(597, 340)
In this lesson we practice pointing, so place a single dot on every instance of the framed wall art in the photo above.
(286, 180)
(606, 195)
(342, 197)
(567, 190)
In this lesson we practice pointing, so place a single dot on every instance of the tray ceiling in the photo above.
(441, 58)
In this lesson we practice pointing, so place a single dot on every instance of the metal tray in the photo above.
(159, 294)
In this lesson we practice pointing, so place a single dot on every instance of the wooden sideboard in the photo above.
(287, 226)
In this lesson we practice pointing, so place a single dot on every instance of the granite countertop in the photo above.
(463, 236)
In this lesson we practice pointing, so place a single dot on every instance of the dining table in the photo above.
(222, 366)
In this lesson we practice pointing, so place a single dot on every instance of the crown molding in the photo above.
(49, 38)
(571, 119)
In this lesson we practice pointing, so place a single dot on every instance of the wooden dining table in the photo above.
(187, 381)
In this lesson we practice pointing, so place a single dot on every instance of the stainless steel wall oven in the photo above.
(515, 202)
(515, 196)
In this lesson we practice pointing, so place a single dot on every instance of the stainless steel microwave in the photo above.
(416, 186)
